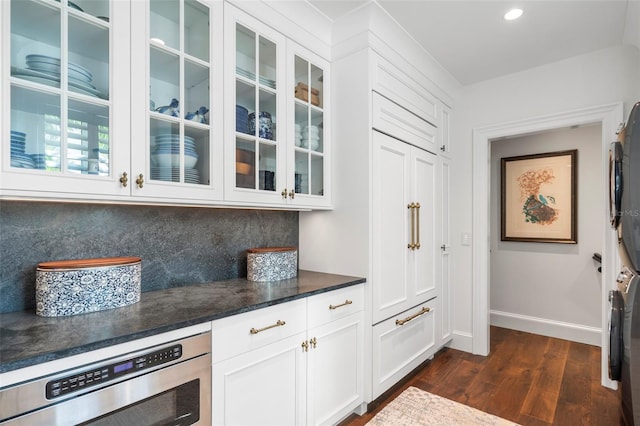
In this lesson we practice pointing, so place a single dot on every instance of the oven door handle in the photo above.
(123, 394)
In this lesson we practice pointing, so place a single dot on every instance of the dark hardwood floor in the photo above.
(527, 378)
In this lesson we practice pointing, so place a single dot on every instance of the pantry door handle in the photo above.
(412, 245)
(258, 330)
(424, 310)
(417, 210)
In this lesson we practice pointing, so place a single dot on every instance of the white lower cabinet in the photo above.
(402, 343)
(336, 349)
(294, 363)
(261, 387)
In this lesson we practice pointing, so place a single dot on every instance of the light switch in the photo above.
(466, 238)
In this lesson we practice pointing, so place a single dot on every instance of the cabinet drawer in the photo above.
(241, 333)
(402, 343)
(402, 89)
(394, 120)
(336, 304)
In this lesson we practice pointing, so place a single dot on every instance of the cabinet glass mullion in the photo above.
(60, 68)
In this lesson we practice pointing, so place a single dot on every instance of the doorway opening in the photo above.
(609, 117)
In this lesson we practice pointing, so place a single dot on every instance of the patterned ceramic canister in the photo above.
(272, 263)
(265, 129)
(72, 287)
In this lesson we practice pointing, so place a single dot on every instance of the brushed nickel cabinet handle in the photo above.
(258, 330)
(346, 302)
(424, 310)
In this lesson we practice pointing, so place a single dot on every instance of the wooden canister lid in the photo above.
(270, 249)
(89, 263)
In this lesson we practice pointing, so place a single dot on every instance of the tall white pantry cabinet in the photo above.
(390, 217)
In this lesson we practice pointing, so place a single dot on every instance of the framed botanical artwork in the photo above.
(539, 199)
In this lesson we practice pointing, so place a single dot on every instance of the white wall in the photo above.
(546, 288)
(598, 78)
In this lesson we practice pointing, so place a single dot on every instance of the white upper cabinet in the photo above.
(190, 101)
(65, 88)
(177, 100)
(309, 171)
(276, 146)
(255, 106)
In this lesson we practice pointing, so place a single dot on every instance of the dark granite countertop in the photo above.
(27, 339)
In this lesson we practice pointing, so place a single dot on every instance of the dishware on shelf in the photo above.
(242, 119)
(251, 76)
(39, 160)
(52, 65)
(172, 109)
(172, 174)
(198, 116)
(22, 161)
(170, 159)
(265, 125)
(18, 141)
(313, 144)
(267, 180)
(46, 70)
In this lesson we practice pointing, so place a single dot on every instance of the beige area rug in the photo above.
(416, 407)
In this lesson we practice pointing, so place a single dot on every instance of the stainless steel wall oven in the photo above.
(168, 384)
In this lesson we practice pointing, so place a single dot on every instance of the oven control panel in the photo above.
(104, 373)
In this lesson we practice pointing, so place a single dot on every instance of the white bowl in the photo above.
(190, 162)
(173, 160)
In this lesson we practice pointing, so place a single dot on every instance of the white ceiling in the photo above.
(474, 43)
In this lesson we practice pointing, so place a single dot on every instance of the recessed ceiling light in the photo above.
(513, 14)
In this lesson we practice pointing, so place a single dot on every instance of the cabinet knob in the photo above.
(292, 194)
(305, 346)
(284, 194)
(443, 148)
(140, 181)
(313, 342)
(124, 180)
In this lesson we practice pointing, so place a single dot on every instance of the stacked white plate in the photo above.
(47, 69)
(18, 157)
(251, 76)
(18, 140)
(165, 158)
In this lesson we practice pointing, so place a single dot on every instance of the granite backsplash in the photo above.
(178, 245)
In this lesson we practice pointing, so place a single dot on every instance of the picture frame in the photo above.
(538, 197)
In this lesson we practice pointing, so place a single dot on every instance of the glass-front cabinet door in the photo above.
(177, 99)
(65, 96)
(310, 175)
(256, 133)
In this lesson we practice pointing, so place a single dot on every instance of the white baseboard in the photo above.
(461, 341)
(558, 329)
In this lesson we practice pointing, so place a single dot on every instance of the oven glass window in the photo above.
(177, 406)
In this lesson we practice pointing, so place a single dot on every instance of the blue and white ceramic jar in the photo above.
(265, 123)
